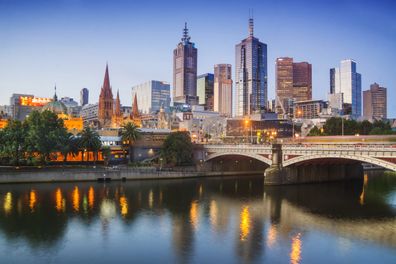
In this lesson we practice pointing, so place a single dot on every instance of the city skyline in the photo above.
(47, 44)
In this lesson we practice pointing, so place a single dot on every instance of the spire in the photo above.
(106, 82)
(135, 109)
(55, 96)
(186, 38)
(118, 105)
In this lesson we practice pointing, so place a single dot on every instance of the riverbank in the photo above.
(105, 174)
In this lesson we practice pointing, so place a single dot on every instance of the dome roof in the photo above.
(55, 106)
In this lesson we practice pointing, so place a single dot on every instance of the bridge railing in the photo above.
(369, 147)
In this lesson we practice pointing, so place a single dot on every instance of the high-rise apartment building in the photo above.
(151, 96)
(374, 102)
(84, 95)
(293, 83)
(185, 71)
(250, 75)
(348, 82)
(205, 86)
(223, 89)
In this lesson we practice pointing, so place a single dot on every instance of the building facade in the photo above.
(293, 83)
(23, 104)
(106, 102)
(223, 89)
(185, 59)
(251, 75)
(309, 109)
(151, 96)
(375, 102)
(348, 82)
(205, 87)
(84, 96)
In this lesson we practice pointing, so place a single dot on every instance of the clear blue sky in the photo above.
(69, 41)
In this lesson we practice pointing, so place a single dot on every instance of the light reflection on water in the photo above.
(228, 220)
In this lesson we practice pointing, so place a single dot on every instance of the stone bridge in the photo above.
(293, 162)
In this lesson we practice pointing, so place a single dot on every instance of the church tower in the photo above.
(118, 116)
(106, 101)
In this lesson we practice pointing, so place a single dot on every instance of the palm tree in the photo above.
(89, 140)
(129, 134)
(70, 145)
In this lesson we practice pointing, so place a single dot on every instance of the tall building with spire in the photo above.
(185, 71)
(250, 75)
(118, 115)
(106, 101)
(135, 114)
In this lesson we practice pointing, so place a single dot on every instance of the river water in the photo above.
(211, 220)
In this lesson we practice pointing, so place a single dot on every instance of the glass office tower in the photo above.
(250, 75)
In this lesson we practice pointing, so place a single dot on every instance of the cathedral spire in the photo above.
(118, 105)
(135, 109)
(106, 82)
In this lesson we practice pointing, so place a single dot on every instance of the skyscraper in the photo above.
(348, 82)
(205, 88)
(185, 71)
(332, 80)
(84, 95)
(151, 96)
(106, 101)
(250, 75)
(374, 102)
(223, 89)
(293, 83)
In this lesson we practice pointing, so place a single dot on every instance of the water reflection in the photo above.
(8, 203)
(76, 199)
(295, 254)
(244, 225)
(237, 215)
(32, 200)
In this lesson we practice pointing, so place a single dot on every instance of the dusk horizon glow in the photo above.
(69, 42)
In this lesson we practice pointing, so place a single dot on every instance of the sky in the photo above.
(68, 42)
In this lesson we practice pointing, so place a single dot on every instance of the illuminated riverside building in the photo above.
(293, 83)
(375, 102)
(223, 89)
(250, 75)
(72, 124)
(151, 96)
(205, 90)
(23, 104)
(347, 81)
(185, 71)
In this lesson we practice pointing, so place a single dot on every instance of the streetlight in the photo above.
(297, 115)
(251, 131)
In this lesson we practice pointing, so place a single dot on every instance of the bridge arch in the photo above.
(249, 155)
(366, 159)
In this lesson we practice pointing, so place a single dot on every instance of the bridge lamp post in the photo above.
(247, 121)
(297, 115)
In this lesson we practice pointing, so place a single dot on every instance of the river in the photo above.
(206, 220)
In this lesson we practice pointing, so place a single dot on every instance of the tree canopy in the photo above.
(177, 149)
(333, 127)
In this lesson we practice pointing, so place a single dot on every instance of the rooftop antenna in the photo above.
(251, 22)
(186, 37)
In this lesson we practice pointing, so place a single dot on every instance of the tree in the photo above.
(106, 153)
(70, 145)
(177, 149)
(13, 142)
(129, 134)
(315, 131)
(365, 127)
(89, 140)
